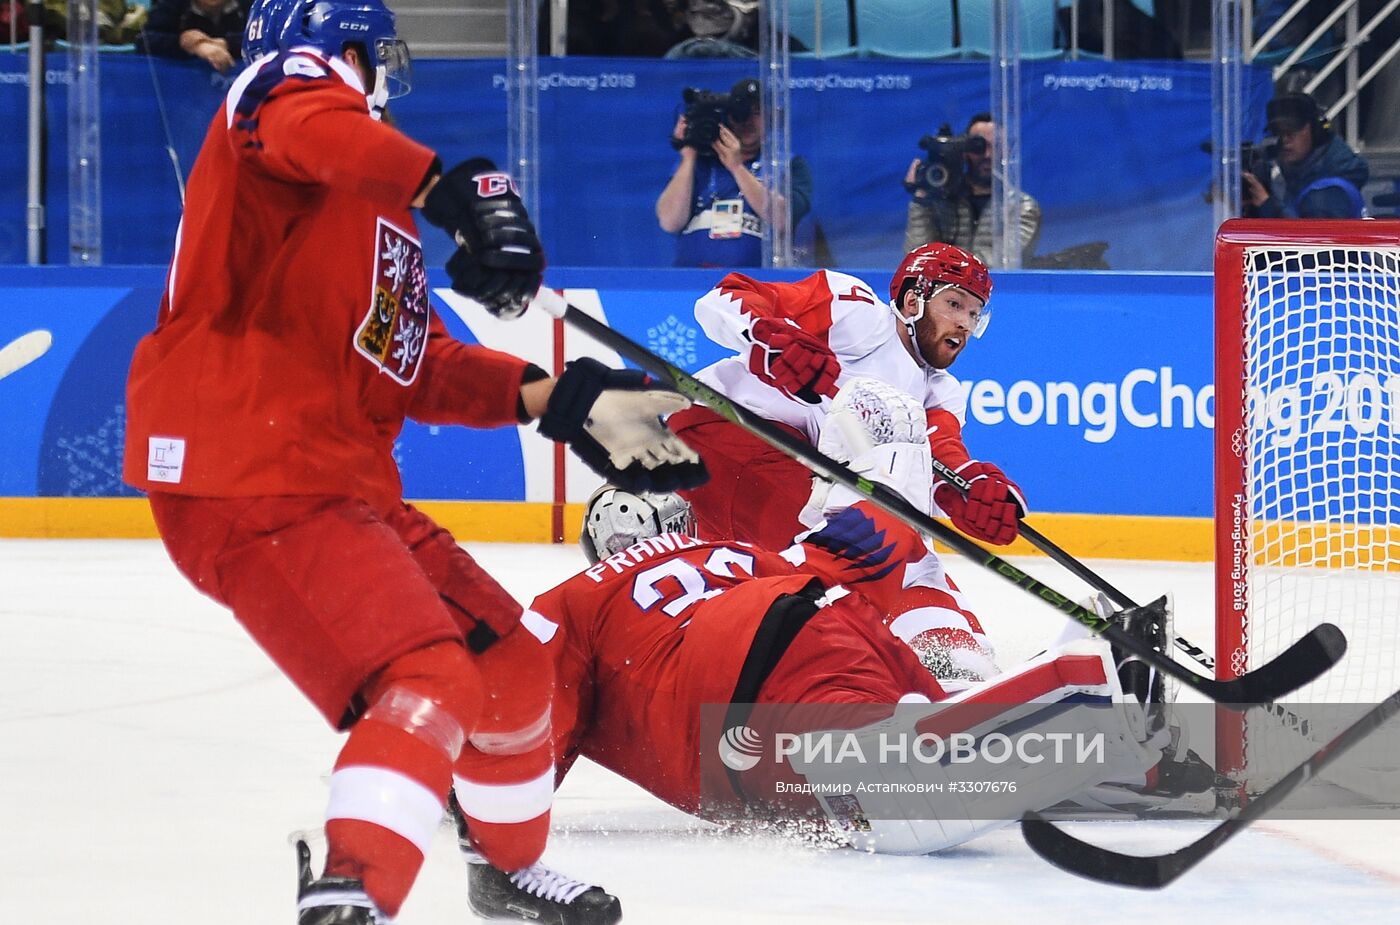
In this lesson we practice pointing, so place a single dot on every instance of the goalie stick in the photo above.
(23, 350)
(1154, 871)
(1042, 542)
(1300, 663)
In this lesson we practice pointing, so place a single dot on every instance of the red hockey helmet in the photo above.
(936, 263)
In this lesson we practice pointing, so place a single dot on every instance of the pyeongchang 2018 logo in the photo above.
(740, 748)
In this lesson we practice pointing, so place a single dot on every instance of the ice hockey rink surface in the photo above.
(154, 765)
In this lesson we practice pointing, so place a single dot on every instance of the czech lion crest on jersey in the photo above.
(394, 333)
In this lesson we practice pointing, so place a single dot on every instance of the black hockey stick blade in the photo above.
(1155, 871)
(1301, 663)
(1094, 863)
(1230, 693)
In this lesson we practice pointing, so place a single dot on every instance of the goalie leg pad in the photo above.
(995, 764)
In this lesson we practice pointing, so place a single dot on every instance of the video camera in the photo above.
(1259, 158)
(1255, 158)
(706, 111)
(944, 172)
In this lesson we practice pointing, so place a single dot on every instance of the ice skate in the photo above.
(538, 894)
(332, 900)
(1182, 782)
(533, 894)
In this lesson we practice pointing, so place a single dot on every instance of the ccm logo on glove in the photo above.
(495, 184)
(993, 507)
(499, 260)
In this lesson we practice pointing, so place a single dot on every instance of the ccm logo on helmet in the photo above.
(494, 184)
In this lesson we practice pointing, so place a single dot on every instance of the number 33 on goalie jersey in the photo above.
(649, 635)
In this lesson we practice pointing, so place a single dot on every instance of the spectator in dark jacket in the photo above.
(1319, 175)
(211, 30)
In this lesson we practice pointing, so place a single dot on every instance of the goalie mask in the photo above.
(328, 26)
(930, 269)
(615, 519)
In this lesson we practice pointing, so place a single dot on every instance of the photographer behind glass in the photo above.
(716, 202)
(1319, 175)
(951, 190)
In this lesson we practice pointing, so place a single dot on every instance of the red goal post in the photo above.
(1307, 455)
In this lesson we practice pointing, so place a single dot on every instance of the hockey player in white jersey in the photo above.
(795, 344)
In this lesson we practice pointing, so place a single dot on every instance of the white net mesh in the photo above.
(1322, 476)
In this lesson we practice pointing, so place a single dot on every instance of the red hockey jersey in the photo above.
(296, 332)
(651, 634)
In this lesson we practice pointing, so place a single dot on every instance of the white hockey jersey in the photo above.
(857, 325)
(932, 615)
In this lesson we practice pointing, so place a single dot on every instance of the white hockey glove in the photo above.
(611, 418)
(878, 432)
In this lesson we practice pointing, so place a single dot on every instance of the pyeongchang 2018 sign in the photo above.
(1142, 398)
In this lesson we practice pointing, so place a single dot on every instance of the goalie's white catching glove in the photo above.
(878, 432)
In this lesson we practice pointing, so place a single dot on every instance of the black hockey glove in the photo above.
(500, 261)
(611, 418)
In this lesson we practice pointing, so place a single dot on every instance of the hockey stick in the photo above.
(1070, 563)
(1307, 658)
(23, 350)
(1154, 871)
(1098, 582)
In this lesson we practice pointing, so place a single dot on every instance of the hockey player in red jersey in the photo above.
(795, 344)
(294, 337)
(663, 623)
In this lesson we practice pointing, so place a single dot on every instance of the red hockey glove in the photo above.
(792, 361)
(992, 509)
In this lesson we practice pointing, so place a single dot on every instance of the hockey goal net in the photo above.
(1307, 459)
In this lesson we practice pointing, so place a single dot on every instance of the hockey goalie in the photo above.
(662, 624)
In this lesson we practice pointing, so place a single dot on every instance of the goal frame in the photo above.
(1234, 238)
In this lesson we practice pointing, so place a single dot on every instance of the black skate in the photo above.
(538, 894)
(535, 894)
(1178, 776)
(332, 900)
(1182, 783)
(1152, 624)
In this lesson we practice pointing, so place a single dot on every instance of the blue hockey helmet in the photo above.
(265, 21)
(328, 26)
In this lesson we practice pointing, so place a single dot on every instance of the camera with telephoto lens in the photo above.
(944, 171)
(1259, 158)
(706, 112)
(1255, 158)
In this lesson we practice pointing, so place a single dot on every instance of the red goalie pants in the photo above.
(369, 613)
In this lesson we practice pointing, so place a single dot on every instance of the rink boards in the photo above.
(1092, 390)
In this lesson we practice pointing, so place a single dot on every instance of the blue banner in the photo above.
(1092, 390)
(63, 437)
